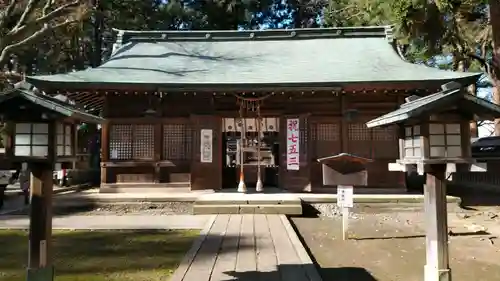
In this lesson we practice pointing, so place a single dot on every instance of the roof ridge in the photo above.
(126, 36)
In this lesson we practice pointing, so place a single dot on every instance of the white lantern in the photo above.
(31, 140)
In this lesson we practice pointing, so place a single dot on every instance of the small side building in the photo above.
(179, 104)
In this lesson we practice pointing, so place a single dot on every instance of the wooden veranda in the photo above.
(247, 248)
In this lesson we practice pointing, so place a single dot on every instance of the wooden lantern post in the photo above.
(435, 137)
(40, 265)
(42, 135)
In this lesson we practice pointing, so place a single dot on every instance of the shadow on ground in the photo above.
(470, 197)
(104, 255)
(62, 204)
(296, 272)
(458, 234)
(56, 210)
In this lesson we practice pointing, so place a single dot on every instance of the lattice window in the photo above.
(445, 140)
(327, 140)
(131, 142)
(120, 142)
(412, 144)
(143, 142)
(384, 134)
(327, 132)
(359, 132)
(385, 142)
(177, 142)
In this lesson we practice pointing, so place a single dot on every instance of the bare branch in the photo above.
(68, 11)
(61, 11)
(37, 35)
(47, 6)
(27, 11)
(57, 12)
(7, 13)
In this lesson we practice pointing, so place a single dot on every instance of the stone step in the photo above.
(248, 202)
(211, 209)
(248, 199)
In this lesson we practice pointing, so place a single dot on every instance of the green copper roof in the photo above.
(437, 102)
(301, 57)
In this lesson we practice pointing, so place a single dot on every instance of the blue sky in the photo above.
(483, 92)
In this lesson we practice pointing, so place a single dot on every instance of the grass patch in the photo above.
(101, 255)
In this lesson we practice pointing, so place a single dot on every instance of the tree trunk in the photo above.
(473, 124)
(495, 77)
(463, 66)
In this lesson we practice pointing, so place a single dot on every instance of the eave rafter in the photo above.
(93, 100)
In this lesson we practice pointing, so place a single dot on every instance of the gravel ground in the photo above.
(387, 243)
(155, 209)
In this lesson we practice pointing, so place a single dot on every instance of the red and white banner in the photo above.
(292, 144)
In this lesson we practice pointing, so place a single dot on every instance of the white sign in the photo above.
(292, 144)
(345, 196)
(345, 201)
(206, 146)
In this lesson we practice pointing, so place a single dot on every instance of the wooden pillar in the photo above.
(344, 126)
(105, 126)
(40, 266)
(104, 151)
(158, 145)
(436, 216)
(207, 175)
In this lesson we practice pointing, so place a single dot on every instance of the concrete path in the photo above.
(247, 248)
(113, 222)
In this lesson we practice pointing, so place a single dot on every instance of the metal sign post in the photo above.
(345, 201)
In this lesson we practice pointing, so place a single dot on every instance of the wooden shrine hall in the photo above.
(209, 109)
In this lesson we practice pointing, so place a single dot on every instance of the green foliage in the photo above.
(344, 13)
(425, 28)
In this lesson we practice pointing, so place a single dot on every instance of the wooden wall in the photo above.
(167, 143)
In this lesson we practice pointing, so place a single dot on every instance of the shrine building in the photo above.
(186, 109)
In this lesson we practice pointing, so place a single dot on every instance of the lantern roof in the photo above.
(454, 97)
(24, 91)
(288, 58)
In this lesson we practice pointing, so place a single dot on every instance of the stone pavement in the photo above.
(362, 195)
(113, 222)
(247, 248)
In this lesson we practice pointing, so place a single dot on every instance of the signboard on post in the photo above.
(292, 144)
(345, 200)
(206, 146)
(345, 196)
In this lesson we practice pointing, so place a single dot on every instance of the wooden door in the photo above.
(295, 180)
(206, 173)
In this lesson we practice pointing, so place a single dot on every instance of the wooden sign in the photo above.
(292, 144)
(206, 146)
